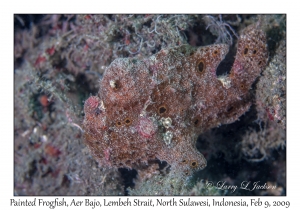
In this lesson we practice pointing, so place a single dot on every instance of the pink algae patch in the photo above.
(146, 127)
(92, 102)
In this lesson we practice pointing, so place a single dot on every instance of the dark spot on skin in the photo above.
(194, 164)
(242, 86)
(113, 136)
(196, 121)
(201, 66)
(127, 121)
(162, 109)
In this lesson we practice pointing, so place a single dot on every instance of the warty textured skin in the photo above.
(155, 108)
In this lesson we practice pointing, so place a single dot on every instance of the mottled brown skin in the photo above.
(155, 108)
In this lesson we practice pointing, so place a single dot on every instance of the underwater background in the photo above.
(58, 63)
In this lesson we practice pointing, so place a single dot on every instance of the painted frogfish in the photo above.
(155, 108)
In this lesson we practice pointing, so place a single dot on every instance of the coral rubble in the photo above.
(156, 107)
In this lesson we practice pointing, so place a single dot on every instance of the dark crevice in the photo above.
(274, 36)
(128, 176)
(227, 63)
(25, 21)
(148, 23)
(66, 182)
(32, 170)
(199, 36)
